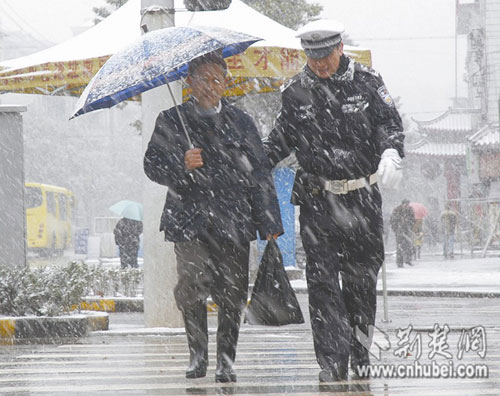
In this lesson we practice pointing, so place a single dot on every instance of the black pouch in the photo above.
(306, 188)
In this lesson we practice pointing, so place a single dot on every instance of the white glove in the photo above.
(389, 169)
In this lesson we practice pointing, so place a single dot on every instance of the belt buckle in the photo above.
(336, 186)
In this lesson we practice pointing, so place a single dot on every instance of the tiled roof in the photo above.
(488, 136)
(438, 149)
(455, 120)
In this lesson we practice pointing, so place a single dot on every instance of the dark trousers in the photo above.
(128, 255)
(218, 268)
(346, 244)
(404, 248)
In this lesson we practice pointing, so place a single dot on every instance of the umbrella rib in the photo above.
(180, 116)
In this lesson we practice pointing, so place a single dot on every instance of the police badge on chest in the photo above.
(306, 112)
(355, 103)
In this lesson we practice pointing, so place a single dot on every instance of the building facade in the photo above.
(463, 144)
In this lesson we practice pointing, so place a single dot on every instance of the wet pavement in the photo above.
(131, 360)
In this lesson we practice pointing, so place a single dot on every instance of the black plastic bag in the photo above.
(273, 301)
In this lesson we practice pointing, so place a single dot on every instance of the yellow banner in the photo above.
(258, 69)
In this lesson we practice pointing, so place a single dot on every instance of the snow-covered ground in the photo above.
(435, 273)
(463, 274)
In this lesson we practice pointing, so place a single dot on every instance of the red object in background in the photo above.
(419, 210)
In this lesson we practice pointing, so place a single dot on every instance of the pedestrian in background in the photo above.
(449, 221)
(127, 237)
(402, 223)
(418, 238)
(219, 194)
(339, 119)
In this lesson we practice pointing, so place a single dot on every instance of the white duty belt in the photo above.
(344, 186)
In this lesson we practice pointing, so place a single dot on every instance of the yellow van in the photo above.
(49, 213)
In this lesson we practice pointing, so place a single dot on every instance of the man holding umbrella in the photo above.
(220, 192)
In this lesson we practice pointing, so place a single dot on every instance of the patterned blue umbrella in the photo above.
(159, 57)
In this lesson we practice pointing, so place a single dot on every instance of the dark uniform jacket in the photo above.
(338, 127)
(232, 195)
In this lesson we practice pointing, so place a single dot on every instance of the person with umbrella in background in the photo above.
(127, 237)
(339, 119)
(402, 223)
(128, 230)
(220, 192)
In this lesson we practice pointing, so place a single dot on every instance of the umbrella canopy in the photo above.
(158, 57)
(129, 209)
(419, 210)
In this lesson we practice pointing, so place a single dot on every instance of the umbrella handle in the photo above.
(180, 117)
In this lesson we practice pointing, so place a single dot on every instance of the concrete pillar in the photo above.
(13, 219)
(160, 274)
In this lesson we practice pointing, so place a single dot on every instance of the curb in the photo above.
(427, 293)
(162, 331)
(121, 304)
(440, 293)
(46, 328)
(113, 304)
(136, 304)
(255, 330)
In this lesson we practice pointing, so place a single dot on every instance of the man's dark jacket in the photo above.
(232, 195)
(402, 220)
(338, 127)
(127, 232)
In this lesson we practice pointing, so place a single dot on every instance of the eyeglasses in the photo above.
(206, 80)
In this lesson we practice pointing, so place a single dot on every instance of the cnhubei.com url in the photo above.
(425, 370)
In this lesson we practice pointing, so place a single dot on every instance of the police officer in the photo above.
(339, 119)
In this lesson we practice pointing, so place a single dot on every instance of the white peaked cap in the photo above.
(318, 38)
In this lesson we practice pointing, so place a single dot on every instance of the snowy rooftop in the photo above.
(488, 136)
(438, 149)
(455, 120)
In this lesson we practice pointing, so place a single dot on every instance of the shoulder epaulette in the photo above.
(359, 67)
(291, 81)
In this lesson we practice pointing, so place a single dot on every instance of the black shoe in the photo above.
(409, 263)
(362, 374)
(225, 374)
(197, 369)
(360, 365)
(332, 375)
(195, 321)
